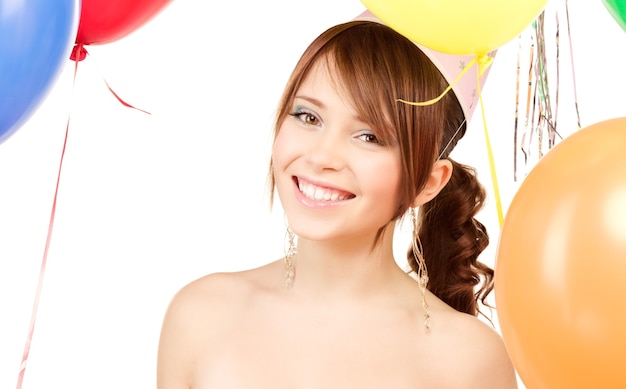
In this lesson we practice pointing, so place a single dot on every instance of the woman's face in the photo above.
(335, 179)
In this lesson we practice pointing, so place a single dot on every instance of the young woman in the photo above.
(349, 161)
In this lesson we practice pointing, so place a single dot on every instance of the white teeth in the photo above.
(320, 194)
(308, 191)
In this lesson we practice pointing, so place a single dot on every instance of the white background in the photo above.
(148, 203)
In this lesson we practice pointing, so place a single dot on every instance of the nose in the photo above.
(326, 150)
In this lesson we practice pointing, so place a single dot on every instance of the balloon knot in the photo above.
(484, 61)
(78, 53)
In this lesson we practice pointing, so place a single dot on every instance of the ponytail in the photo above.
(452, 240)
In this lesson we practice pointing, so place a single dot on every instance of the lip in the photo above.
(312, 203)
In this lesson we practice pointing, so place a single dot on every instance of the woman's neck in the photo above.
(357, 266)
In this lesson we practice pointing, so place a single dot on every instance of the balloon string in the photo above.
(543, 98)
(571, 53)
(554, 128)
(44, 260)
(492, 165)
(516, 124)
(122, 101)
(483, 63)
(80, 53)
(554, 133)
(527, 119)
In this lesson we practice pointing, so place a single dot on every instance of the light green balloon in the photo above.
(617, 9)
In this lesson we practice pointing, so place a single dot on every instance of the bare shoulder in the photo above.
(218, 291)
(218, 295)
(213, 289)
(479, 350)
(198, 315)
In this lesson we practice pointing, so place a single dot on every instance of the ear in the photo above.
(439, 177)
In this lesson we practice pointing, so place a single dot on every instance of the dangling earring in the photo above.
(422, 272)
(290, 257)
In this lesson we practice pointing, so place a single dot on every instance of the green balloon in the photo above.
(617, 9)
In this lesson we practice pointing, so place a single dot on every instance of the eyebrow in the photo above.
(311, 100)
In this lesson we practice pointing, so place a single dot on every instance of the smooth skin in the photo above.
(353, 318)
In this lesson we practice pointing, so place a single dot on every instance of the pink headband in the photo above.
(451, 66)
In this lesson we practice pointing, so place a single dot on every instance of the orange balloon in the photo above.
(560, 283)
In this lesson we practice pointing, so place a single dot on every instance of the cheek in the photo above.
(286, 150)
(383, 177)
(281, 149)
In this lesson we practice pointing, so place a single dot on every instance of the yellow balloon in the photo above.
(461, 27)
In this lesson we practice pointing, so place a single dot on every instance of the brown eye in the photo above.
(309, 119)
(305, 116)
(368, 137)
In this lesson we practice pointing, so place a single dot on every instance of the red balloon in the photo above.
(105, 21)
(561, 264)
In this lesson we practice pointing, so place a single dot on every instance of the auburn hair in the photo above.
(376, 66)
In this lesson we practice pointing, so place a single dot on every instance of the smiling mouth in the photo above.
(319, 193)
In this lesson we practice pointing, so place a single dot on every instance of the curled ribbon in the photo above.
(78, 54)
(483, 61)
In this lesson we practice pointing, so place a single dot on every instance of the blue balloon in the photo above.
(36, 38)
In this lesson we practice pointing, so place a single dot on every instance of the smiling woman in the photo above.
(348, 162)
(323, 149)
(149, 202)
